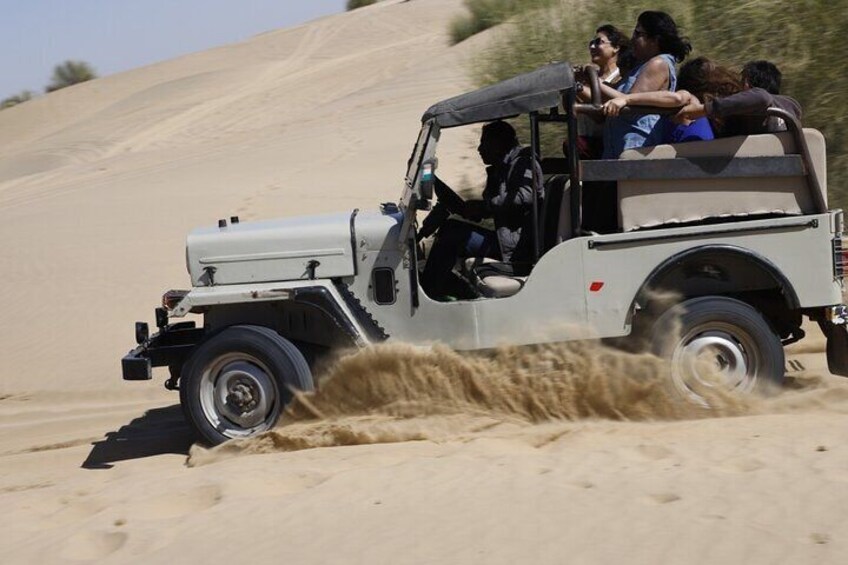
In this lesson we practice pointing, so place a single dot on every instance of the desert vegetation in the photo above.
(788, 32)
(66, 74)
(354, 4)
(19, 98)
(484, 14)
(70, 73)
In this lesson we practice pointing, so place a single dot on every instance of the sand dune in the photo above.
(406, 456)
(106, 178)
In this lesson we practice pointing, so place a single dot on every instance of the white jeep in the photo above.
(737, 229)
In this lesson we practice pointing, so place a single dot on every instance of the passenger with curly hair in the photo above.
(700, 80)
(606, 49)
(732, 105)
(656, 46)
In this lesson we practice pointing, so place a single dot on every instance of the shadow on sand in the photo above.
(160, 431)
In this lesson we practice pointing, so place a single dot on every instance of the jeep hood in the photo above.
(274, 250)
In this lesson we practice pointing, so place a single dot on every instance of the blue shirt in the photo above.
(699, 130)
(628, 132)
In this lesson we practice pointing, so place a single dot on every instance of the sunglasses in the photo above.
(598, 42)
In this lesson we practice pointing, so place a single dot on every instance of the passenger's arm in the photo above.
(747, 102)
(653, 77)
(660, 99)
(691, 111)
(584, 92)
(608, 92)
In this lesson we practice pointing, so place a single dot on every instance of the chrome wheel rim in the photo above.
(238, 395)
(715, 358)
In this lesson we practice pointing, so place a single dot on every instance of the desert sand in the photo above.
(406, 456)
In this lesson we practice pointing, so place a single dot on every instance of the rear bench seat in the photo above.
(690, 182)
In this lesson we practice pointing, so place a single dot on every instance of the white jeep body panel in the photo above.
(274, 250)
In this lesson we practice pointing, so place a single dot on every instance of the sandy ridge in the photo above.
(99, 185)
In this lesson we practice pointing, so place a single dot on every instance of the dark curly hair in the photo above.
(622, 42)
(706, 80)
(616, 37)
(762, 74)
(662, 26)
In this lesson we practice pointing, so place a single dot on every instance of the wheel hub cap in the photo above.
(243, 393)
(712, 359)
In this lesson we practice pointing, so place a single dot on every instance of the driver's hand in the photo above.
(613, 106)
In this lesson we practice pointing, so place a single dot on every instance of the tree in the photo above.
(16, 99)
(70, 73)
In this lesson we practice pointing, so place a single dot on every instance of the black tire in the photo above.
(733, 338)
(236, 384)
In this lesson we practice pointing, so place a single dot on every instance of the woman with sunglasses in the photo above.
(656, 46)
(605, 50)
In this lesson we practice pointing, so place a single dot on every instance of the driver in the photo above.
(507, 198)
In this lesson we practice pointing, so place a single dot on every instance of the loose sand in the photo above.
(568, 454)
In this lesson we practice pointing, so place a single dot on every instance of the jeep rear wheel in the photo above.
(718, 343)
(237, 383)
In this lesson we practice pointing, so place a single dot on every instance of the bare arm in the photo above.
(584, 92)
(653, 77)
(661, 99)
(747, 102)
(607, 93)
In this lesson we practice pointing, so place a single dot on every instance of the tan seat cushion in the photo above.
(648, 203)
(487, 276)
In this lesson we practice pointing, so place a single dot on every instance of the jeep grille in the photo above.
(840, 260)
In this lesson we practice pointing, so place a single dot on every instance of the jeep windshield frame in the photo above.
(414, 165)
(538, 94)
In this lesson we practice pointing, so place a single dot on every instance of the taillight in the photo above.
(840, 257)
(173, 297)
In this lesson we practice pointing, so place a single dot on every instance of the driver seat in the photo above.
(497, 279)
(492, 278)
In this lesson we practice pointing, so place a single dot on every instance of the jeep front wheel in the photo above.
(237, 383)
(718, 343)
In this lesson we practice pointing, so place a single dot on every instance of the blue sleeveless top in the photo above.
(628, 132)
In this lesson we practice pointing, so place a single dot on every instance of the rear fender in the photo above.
(714, 270)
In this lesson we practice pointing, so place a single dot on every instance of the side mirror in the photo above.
(428, 178)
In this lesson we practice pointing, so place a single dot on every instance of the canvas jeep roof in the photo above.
(537, 90)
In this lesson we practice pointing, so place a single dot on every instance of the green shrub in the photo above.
(483, 14)
(70, 73)
(16, 99)
(354, 4)
(800, 36)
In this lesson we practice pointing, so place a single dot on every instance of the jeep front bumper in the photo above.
(170, 347)
(834, 326)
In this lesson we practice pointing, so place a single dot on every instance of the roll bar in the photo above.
(793, 124)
